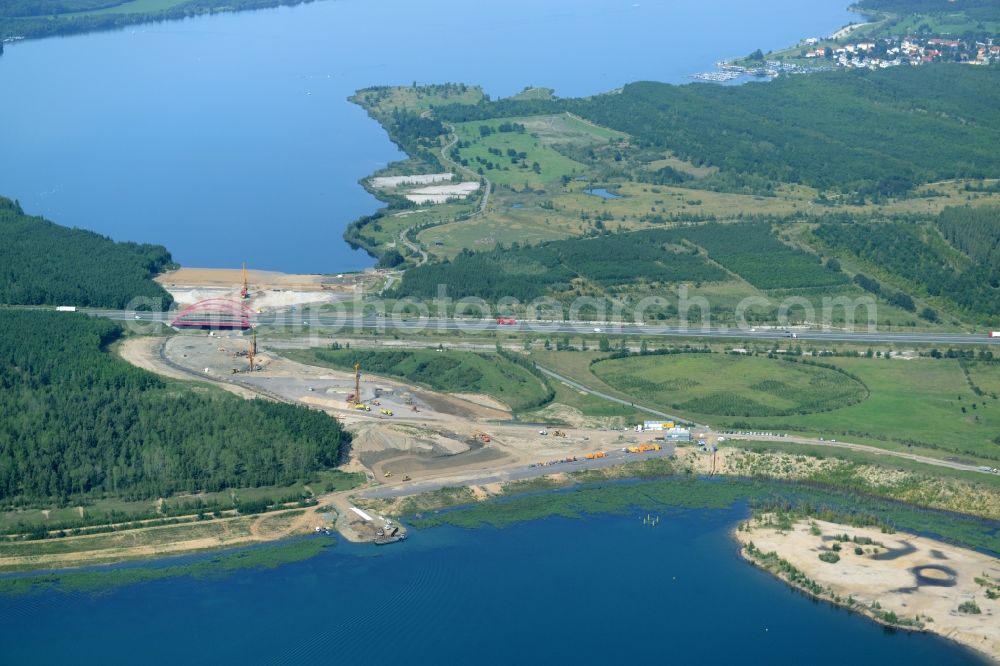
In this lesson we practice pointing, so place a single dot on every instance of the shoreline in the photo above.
(866, 594)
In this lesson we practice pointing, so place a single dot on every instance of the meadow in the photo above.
(923, 404)
(450, 371)
(732, 385)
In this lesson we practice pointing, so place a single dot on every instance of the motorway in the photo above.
(343, 323)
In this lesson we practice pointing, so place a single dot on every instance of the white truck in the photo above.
(65, 308)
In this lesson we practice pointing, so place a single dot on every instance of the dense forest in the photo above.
(74, 419)
(974, 231)
(858, 131)
(752, 252)
(652, 256)
(526, 273)
(980, 10)
(44, 263)
(916, 253)
(47, 18)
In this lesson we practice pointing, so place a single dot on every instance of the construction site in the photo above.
(406, 438)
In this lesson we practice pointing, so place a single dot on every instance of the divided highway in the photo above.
(358, 324)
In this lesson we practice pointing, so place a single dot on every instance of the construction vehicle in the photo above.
(558, 433)
(386, 412)
(482, 436)
(595, 455)
(387, 474)
(360, 406)
(644, 448)
(406, 477)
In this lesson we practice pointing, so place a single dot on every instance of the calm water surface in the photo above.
(604, 589)
(229, 138)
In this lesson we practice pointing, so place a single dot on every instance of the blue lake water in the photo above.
(602, 193)
(229, 138)
(603, 589)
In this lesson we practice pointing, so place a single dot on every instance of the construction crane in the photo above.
(245, 291)
(252, 351)
(357, 383)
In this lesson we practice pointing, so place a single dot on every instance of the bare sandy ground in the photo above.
(145, 353)
(847, 30)
(911, 576)
(233, 277)
(442, 193)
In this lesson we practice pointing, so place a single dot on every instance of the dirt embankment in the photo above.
(898, 579)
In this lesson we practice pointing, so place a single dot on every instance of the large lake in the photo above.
(229, 138)
(598, 590)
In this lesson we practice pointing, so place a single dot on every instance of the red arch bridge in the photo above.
(215, 313)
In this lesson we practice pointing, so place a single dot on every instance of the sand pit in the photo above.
(442, 193)
(913, 577)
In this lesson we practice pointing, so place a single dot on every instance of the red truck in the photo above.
(507, 322)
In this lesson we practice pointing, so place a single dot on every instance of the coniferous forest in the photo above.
(42, 263)
(75, 419)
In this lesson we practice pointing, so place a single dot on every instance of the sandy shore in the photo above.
(919, 580)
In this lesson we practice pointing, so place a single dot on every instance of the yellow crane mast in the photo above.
(245, 290)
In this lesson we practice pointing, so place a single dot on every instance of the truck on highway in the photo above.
(506, 322)
(995, 334)
(72, 308)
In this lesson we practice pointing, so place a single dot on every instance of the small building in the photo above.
(656, 425)
(677, 435)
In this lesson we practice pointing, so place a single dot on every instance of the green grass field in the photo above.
(519, 151)
(731, 385)
(913, 404)
(450, 371)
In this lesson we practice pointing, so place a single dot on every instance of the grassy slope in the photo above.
(453, 371)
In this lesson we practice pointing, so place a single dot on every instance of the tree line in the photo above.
(44, 263)
(42, 18)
